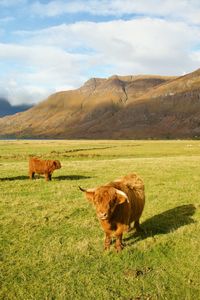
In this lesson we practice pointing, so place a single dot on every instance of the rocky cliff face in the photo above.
(118, 107)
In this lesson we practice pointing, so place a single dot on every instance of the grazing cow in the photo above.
(118, 204)
(40, 166)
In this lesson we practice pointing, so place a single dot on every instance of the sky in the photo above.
(51, 46)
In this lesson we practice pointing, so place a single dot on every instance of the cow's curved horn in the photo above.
(122, 194)
(83, 190)
(88, 190)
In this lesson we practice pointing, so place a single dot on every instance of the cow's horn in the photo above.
(83, 190)
(88, 190)
(121, 193)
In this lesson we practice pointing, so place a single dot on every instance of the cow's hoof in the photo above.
(119, 248)
(106, 248)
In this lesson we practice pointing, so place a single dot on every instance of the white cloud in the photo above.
(140, 45)
(21, 94)
(64, 56)
(37, 71)
(188, 10)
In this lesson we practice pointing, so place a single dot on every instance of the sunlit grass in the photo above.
(52, 243)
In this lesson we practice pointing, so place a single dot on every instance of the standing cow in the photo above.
(45, 167)
(118, 204)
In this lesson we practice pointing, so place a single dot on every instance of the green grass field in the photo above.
(51, 240)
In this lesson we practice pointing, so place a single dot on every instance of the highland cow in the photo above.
(45, 167)
(118, 204)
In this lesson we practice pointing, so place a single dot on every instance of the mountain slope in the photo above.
(117, 107)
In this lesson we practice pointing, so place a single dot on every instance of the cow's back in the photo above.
(133, 186)
(37, 165)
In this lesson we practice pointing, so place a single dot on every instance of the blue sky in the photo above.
(48, 46)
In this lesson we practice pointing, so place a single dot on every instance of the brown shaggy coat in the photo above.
(45, 167)
(118, 204)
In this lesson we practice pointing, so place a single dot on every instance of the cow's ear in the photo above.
(121, 197)
(89, 193)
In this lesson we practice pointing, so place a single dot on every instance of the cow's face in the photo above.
(105, 200)
(57, 164)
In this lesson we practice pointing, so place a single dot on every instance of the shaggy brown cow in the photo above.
(40, 166)
(118, 204)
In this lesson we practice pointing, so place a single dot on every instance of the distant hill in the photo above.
(119, 107)
(7, 109)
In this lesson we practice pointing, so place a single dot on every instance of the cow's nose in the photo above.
(102, 215)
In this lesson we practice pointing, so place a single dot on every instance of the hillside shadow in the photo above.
(165, 222)
(14, 178)
(71, 177)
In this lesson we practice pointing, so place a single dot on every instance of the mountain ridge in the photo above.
(117, 107)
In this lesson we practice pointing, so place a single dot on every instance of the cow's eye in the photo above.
(112, 203)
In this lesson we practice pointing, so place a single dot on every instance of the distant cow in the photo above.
(45, 167)
(118, 204)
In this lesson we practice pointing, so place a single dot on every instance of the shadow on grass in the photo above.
(63, 177)
(14, 178)
(165, 222)
(71, 177)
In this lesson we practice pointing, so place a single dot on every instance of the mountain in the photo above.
(7, 109)
(119, 107)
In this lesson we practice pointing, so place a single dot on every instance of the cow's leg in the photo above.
(46, 176)
(50, 176)
(107, 241)
(118, 243)
(31, 175)
(137, 226)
